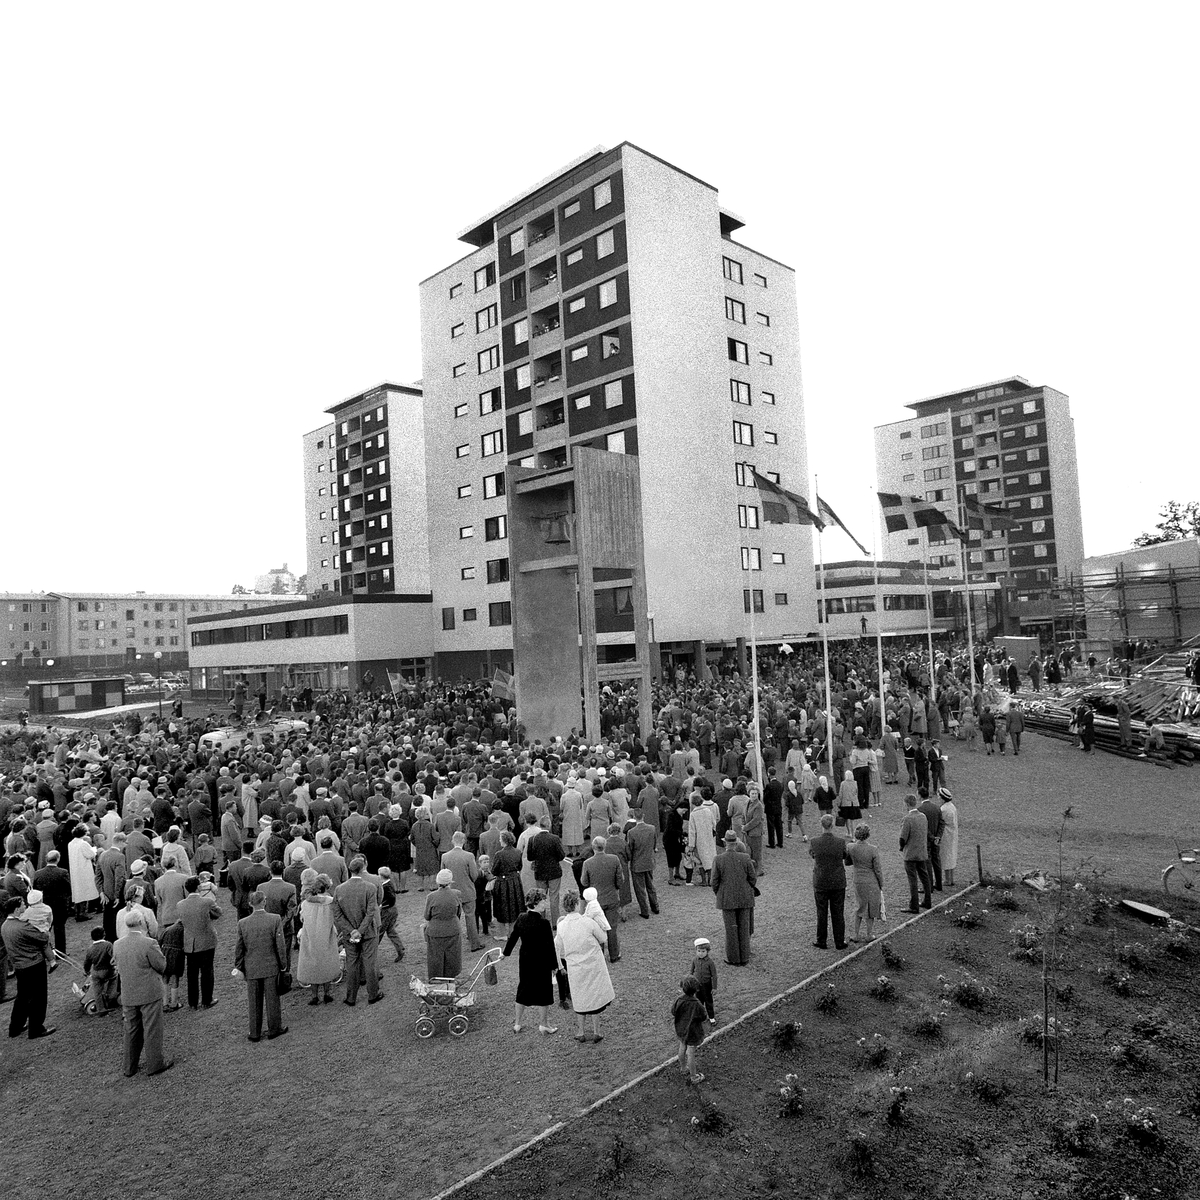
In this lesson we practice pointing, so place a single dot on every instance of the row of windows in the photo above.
(732, 270)
(114, 643)
(743, 435)
(499, 613)
(26, 626)
(735, 310)
(752, 558)
(495, 529)
(493, 486)
(43, 606)
(739, 393)
(739, 352)
(490, 443)
(755, 596)
(84, 626)
(271, 631)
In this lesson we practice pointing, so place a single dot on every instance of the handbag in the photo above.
(283, 983)
(564, 988)
(489, 975)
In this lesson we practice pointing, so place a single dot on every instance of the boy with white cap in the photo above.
(705, 972)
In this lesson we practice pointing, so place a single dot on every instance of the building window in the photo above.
(320, 466)
(752, 595)
(485, 276)
(576, 353)
(456, 331)
(489, 401)
(608, 293)
(460, 369)
(906, 456)
(928, 431)
(1038, 526)
(751, 558)
(610, 344)
(605, 244)
(762, 318)
(469, 614)
(738, 351)
(602, 194)
(523, 377)
(766, 359)
(525, 422)
(463, 450)
(1040, 551)
(1029, 406)
(1031, 431)
(732, 269)
(460, 410)
(500, 613)
(1037, 501)
(324, 515)
(485, 319)
(466, 531)
(615, 442)
(489, 359)
(448, 618)
(1035, 477)
(324, 539)
(778, 559)
(578, 304)
(491, 443)
(584, 401)
(464, 492)
(493, 485)
(743, 433)
(521, 331)
(781, 598)
(455, 289)
(516, 241)
(748, 516)
(571, 210)
(613, 394)
(495, 529)
(468, 572)
(767, 397)
(771, 439)
(497, 570)
(1034, 455)
(739, 392)
(735, 310)
(574, 256)
(516, 288)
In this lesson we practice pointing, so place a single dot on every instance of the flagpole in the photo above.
(825, 647)
(754, 683)
(964, 558)
(878, 627)
(928, 604)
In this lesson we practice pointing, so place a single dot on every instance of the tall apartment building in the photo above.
(609, 306)
(1013, 446)
(365, 498)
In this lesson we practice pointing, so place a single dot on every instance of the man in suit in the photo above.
(54, 882)
(198, 911)
(25, 949)
(733, 879)
(246, 874)
(643, 845)
(140, 963)
(830, 855)
(329, 861)
(932, 808)
(260, 955)
(356, 915)
(546, 852)
(354, 829)
(914, 842)
(461, 863)
(604, 872)
(111, 868)
(281, 900)
(168, 892)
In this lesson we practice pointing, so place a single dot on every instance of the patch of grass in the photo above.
(961, 953)
(985, 1088)
(1176, 941)
(1134, 955)
(998, 882)
(1151, 1026)
(858, 1159)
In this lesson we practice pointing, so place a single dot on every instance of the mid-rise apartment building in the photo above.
(1010, 444)
(365, 517)
(610, 307)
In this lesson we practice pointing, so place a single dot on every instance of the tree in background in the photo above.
(238, 590)
(277, 588)
(1178, 521)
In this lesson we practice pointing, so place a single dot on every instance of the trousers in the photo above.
(29, 1007)
(200, 976)
(643, 889)
(831, 909)
(260, 992)
(935, 862)
(473, 938)
(918, 875)
(739, 925)
(613, 916)
(387, 929)
(361, 953)
(143, 1031)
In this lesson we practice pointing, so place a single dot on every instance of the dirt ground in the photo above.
(355, 1103)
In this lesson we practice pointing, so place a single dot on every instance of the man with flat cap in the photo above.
(733, 878)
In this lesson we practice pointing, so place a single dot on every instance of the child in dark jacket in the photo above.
(688, 1014)
(704, 971)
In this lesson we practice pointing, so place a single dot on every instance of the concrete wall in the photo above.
(1064, 483)
(410, 501)
(321, 573)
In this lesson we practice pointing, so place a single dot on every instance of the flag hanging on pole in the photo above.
(986, 516)
(781, 507)
(832, 518)
(504, 685)
(911, 512)
(396, 682)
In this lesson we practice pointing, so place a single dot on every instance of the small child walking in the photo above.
(102, 972)
(688, 1013)
(704, 971)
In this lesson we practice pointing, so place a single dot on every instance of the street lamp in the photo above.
(158, 667)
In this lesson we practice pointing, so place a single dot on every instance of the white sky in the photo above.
(215, 218)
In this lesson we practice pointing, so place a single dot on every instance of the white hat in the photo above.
(701, 942)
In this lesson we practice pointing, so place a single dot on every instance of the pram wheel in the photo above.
(91, 1008)
(457, 1025)
(424, 1027)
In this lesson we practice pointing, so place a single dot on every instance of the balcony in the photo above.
(547, 416)
(540, 230)
(543, 275)
(547, 372)
(545, 320)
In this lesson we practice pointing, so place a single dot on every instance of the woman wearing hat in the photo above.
(948, 849)
(442, 927)
(868, 881)
(536, 963)
(319, 965)
(422, 837)
(580, 943)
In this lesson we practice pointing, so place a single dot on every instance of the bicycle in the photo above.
(1179, 878)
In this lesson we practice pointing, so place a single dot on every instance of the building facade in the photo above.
(1011, 445)
(610, 307)
(104, 630)
(366, 525)
(851, 599)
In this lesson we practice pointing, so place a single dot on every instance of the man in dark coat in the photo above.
(54, 882)
(199, 913)
(733, 878)
(356, 915)
(604, 872)
(260, 956)
(642, 841)
(25, 949)
(830, 855)
(932, 810)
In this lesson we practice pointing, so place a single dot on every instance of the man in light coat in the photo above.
(140, 963)
(461, 863)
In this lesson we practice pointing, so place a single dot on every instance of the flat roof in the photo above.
(332, 600)
(403, 388)
(946, 398)
(228, 597)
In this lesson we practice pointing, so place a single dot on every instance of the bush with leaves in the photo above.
(1026, 942)
(873, 1051)
(1003, 898)
(712, 1120)
(785, 1034)
(897, 1110)
(858, 1159)
(827, 1001)
(1116, 979)
(1076, 1135)
(892, 959)
(1142, 1126)
(966, 991)
(791, 1096)
(969, 917)
(1036, 1030)
(1134, 955)
(929, 1022)
(883, 989)
(985, 1088)
(1130, 1055)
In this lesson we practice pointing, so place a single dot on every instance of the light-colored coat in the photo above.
(80, 856)
(580, 943)
(949, 845)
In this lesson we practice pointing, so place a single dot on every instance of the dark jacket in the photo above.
(830, 854)
(733, 877)
(261, 951)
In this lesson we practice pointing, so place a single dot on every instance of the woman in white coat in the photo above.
(80, 858)
(580, 944)
(949, 843)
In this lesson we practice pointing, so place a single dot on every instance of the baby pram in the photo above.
(450, 1000)
(89, 1004)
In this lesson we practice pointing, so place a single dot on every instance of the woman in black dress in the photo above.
(508, 899)
(535, 964)
(674, 841)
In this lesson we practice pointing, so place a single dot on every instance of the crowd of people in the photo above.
(314, 835)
